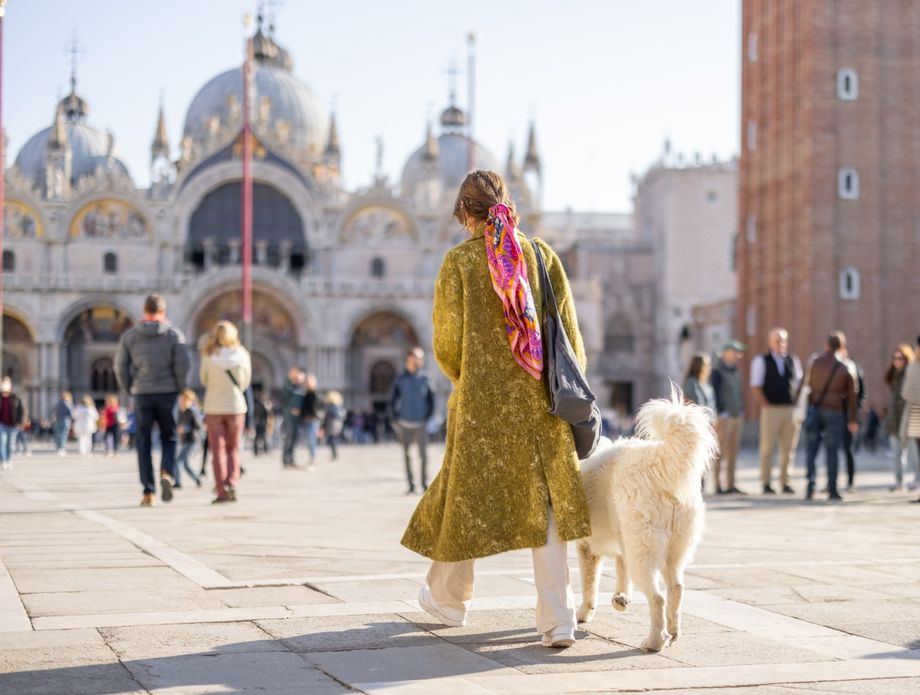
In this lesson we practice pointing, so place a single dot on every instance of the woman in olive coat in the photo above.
(510, 476)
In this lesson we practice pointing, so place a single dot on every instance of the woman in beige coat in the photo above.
(510, 474)
(225, 372)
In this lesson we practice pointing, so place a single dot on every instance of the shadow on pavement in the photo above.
(308, 663)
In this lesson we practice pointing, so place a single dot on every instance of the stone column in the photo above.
(234, 251)
(285, 256)
(207, 246)
(261, 252)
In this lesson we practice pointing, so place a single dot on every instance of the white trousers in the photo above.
(451, 583)
(85, 443)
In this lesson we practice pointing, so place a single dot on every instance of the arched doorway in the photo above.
(89, 345)
(375, 356)
(276, 344)
(18, 351)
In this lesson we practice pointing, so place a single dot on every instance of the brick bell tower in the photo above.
(829, 177)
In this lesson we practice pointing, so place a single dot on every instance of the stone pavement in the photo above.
(302, 587)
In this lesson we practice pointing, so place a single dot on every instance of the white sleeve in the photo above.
(758, 371)
(797, 367)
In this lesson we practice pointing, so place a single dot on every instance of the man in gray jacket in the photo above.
(726, 382)
(152, 365)
(412, 404)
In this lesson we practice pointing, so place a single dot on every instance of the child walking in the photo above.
(188, 428)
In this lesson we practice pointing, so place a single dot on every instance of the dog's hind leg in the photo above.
(590, 566)
(623, 595)
(644, 571)
(680, 547)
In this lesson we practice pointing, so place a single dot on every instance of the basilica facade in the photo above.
(342, 279)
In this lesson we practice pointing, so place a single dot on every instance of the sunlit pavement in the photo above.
(301, 587)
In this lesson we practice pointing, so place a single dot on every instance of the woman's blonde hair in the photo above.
(190, 396)
(88, 401)
(334, 397)
(223, 335)
(479, 191)
(111, 399)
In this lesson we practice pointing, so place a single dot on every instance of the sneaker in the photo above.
(446, 616)
(560, 638)
(166, 488)
(835, 497)
(788, 490)
(61, 452)
(148, 499)
(916, 501)
(896, 488)
(231, 494)
(767, 490)
(198, 482)
(735, 491)
(220, 500)
(722, 491)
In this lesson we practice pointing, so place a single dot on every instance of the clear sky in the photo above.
(605, 80)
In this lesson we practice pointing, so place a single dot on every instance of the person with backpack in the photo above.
(225, 372)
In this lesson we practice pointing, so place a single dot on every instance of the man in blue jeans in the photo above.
(152, 364)
(832, 399)
(411, 406)
(63, 418)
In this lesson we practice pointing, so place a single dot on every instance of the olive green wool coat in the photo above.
(507, 459)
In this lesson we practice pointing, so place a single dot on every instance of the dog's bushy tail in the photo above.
(685, 427)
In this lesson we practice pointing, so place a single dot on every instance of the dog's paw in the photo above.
(620, 602)
(585, 613)
(674, 636)
(655, 643)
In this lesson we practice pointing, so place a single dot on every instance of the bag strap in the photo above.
(549, 295)
(235, 382)
(828, 384)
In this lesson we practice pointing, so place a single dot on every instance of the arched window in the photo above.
(102, 376)
(849, 283)
(378, 268)
(298, 261)
(847, 84)
(848, 184)
(110, 263)
(9, 262)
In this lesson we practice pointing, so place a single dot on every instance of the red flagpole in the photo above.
(247, 196)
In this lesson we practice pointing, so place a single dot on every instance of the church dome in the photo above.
(284, 109)
(448, 156)
(90, 148)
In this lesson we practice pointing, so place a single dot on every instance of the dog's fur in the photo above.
(644, 495)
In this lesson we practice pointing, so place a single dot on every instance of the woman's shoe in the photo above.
(444, 615)
(231, 494)
(220, 500)
(560, 638)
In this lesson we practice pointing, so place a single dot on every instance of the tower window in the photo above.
(110, 263)
(848, 184)
(752, 135)
(849, 283)
(9, 262)
(752, 46)
(378, 268)
(847, 84)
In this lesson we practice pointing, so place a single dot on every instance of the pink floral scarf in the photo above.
(509, 280)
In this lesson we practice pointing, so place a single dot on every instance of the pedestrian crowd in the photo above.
(824, 402)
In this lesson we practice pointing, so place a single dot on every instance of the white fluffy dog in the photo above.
(644, 494)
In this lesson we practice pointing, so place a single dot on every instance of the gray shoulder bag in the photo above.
(571, 399)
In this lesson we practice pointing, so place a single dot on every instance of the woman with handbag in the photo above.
(510, 476)
(225, 372)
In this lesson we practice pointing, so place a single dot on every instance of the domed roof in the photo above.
(292, 107)
(451, 161)
(89, 147)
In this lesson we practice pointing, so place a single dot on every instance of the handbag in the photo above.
(571, 398)
(812, 422)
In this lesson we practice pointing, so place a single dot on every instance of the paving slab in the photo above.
(271, 596)
(143, 642)
(344, 633)
(281, 673)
